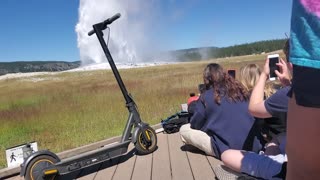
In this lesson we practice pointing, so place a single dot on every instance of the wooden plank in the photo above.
(142, 167)
(85, 176)
(107, 170)
(179, 160)
(161, 166)
(214, 162)
(15, 178)
(222, 172)
(126, 164)
(200, 165)
(10, 173)
(103, 170)
(95, 171)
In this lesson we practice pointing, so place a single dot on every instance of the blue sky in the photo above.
(45, 30)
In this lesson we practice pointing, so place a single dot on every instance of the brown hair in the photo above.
(223, 85)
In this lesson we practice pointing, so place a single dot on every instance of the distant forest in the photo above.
(36, 66)
(193, 54)
(259, 47)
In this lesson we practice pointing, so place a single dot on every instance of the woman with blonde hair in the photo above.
(249, 76)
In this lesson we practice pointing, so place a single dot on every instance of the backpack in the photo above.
(173, 123)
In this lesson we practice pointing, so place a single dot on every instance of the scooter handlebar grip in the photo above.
(91, 32)
(113, 18)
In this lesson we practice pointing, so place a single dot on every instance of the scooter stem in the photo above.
(98, 30)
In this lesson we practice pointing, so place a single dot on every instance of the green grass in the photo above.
(68, 110)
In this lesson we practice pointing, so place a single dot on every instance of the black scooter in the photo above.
(47, 165)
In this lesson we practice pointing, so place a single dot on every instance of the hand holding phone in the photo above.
(273, 60)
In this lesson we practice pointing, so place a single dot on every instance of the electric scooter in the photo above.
(45, 164)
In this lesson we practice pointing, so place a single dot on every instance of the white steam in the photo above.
(136, 36)
(128, 39)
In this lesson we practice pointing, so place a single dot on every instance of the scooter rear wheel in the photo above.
(142, 145)
(37, 165)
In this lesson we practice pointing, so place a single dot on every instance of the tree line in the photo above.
(195, 54)
(36, 66)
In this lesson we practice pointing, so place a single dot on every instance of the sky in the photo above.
(42, 30)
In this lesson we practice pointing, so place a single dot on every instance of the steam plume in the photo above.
(128, 34)
(132, 37)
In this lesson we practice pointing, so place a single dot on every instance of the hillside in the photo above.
(36, 66)
(183, 55)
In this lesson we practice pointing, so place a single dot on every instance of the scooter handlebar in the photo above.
(107, 22)
(113, 18)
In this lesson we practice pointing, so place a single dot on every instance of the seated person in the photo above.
(249, 75)
(221, 119)
(275, 106)
(267, 127)
(193, 98)
(267, 165)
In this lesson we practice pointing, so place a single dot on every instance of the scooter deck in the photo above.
(91, 157)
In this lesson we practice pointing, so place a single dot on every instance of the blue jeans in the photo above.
(262, 166)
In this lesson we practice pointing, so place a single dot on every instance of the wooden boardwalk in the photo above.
(172, 160)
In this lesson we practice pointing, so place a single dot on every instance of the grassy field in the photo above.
(68, 110)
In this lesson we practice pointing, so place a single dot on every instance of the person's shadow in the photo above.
(192, 149)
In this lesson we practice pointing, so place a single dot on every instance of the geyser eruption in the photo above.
(128, 37)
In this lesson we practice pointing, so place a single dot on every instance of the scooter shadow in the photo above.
(97, 167)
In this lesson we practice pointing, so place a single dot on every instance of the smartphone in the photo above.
(232, 73)
(273, 60)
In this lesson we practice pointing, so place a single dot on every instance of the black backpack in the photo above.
(173, 123)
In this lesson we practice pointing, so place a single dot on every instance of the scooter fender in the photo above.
(24, 165)
(135, 134)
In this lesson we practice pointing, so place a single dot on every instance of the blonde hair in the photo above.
(271, 87)
(249, 76)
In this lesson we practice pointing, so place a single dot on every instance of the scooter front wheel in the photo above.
(37, 165)
(143, 146)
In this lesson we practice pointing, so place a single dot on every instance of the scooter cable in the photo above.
(108, 36)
